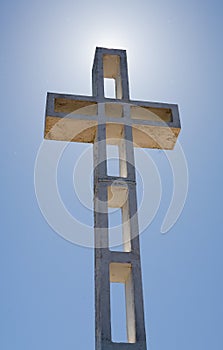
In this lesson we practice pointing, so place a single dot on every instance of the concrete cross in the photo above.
(100, 120)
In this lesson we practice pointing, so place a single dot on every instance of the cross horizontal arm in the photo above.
(75, 118)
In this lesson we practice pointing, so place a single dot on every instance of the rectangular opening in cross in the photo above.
(113, 168)
(64, 105)
(115, 234)
(118, 313)
(116, 150)
(122, 303)
(151, 114)
(119, 223)
(109, 88)
(111, 70)
(113, 110)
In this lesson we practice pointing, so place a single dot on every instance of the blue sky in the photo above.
(175, 54)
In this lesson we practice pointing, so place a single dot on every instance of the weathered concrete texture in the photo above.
(128, 124)
(75, 118)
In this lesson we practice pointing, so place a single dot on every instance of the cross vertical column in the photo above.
(113, 266)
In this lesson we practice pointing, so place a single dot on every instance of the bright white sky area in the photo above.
(175, 55)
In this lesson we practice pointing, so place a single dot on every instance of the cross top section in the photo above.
(111, 64)
(75, 118)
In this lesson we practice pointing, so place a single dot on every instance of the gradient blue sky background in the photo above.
(175, 54)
